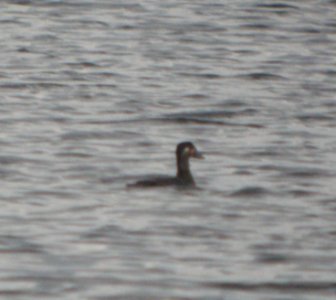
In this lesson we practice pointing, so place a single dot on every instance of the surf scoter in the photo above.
(183, 177)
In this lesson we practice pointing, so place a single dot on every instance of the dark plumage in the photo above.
(183, 177)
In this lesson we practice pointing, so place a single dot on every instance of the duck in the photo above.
(184, 151)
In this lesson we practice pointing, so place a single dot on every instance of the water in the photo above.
(96, 94)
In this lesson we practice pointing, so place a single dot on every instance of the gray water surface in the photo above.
(96, 94)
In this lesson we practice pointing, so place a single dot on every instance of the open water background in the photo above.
(95, 94)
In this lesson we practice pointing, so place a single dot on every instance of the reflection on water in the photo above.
(95, 95)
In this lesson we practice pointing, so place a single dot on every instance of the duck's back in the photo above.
(157, 181)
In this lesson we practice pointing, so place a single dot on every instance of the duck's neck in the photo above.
(183, 171)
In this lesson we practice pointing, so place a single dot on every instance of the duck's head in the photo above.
(186, 150)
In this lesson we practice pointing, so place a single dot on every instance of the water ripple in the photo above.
(313, 286)
(252, 191)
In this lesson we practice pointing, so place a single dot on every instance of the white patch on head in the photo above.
(186, 150)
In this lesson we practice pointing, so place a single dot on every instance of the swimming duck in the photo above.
(184, 151)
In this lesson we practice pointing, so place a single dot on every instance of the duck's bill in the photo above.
(198, 155)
